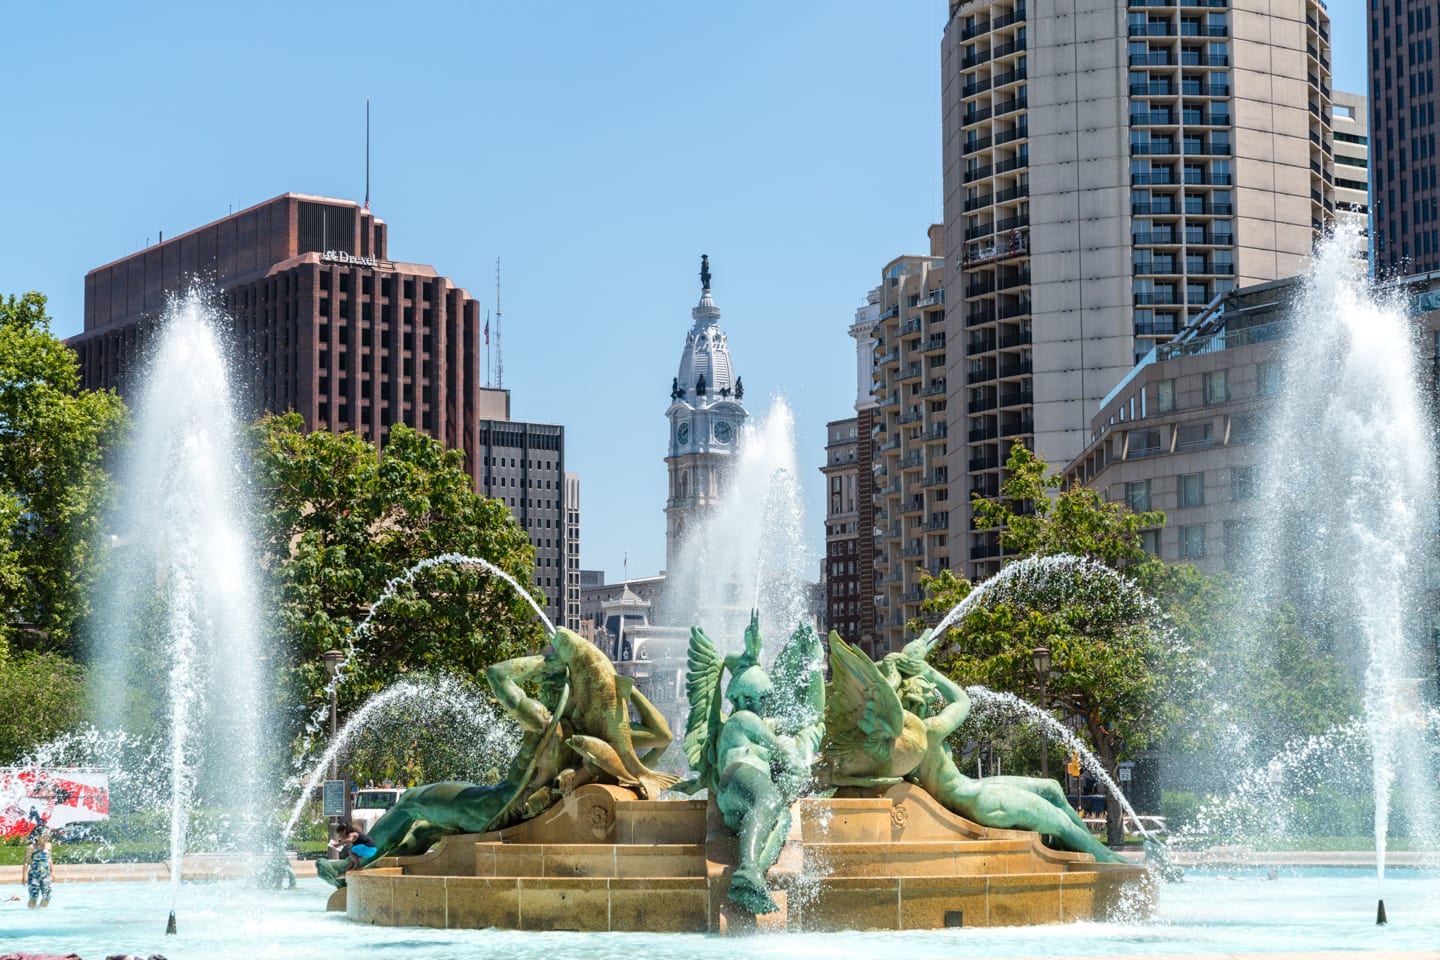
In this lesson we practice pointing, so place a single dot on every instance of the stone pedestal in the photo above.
(604, 860)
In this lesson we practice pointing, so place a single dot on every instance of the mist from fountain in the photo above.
(318, 721)
(178, 617)
(438, 708)
(751, 552)
(1348, 491)
(1009, 706)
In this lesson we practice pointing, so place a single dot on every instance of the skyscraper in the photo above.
(1110, 168)
(1404, 35)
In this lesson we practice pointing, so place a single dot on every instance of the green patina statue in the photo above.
(577, 729)
(882, 728)
(756, 761)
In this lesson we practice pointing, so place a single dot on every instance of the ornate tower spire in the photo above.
(706, 416)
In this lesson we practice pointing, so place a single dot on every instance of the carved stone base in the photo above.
(604, 860)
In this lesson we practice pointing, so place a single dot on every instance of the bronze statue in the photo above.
(874, 747)
(704, 272)
(700, 385)
(755, 762)
(575, 730)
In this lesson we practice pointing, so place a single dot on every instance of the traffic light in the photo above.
(1073, 766)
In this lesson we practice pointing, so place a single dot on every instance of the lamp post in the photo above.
(333, 659)
(1041, 658)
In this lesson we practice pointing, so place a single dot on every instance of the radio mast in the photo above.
(499, 354)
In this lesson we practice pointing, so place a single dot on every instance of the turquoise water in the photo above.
(1239, 911)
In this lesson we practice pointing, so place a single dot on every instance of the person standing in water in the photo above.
(35, 872)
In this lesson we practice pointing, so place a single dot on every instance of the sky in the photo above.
(596, 149)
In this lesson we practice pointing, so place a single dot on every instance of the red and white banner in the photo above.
(53, 797)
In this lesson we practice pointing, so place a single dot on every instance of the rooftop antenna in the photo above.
(488, 367)
(367, 153)
(499, 353)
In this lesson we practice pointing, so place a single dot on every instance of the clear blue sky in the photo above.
(598, 149)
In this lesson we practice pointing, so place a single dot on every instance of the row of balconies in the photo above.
(976, 85)
(1164, 206)
(998, 197)
(1169, 266)
(1012, 398)
(997, 23)
(1191, 86)
(1166, 117)
(979, 57)
(1165, 177)
(1189, 236)
(1002, 166)
(1187, 58)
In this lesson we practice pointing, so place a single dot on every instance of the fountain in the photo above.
(1348, 500)
(603, 858)
(179, 618)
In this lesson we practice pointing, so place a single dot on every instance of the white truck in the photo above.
(371, 803)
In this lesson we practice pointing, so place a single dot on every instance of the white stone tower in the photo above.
(706, 415)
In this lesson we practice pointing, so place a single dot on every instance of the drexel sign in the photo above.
(351, 260)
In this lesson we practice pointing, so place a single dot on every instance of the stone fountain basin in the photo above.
(603, 860)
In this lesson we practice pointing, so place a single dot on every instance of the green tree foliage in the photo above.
(42, 695)
(1078, 521)
(53, 487)
(339, 521)
(1139, 655)
(1109, 665)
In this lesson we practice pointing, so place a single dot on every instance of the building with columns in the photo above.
(706, 414)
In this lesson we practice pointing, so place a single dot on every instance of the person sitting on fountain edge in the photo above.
(361, 846)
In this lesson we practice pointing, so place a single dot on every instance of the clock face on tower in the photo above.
(682, 433)
(723, 432)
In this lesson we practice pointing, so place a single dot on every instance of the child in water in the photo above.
(36, 871)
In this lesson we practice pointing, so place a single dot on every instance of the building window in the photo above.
(1267, 378)
(1194, 434)
(1165, 396)
(1192, 542)
(1191, 490)
(1242, 483)
(1217, 386)
(1137, 495)
(1150, 542)
(1144, 443)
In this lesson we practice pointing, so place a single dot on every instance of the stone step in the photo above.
(929, 859)
(589, 860)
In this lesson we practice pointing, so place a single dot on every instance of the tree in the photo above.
(1110, 665)
(1078, 521)
(53, 486)
(1138, 647)
(41, 696)
(339, 521)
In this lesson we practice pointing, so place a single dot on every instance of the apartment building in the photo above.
(1110, 168)
(910, 430)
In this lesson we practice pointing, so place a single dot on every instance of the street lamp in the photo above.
(333, 659)
(1041, 658)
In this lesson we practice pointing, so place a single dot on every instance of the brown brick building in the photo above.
(324, 322)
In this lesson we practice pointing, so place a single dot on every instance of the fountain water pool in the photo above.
(1303, 910)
